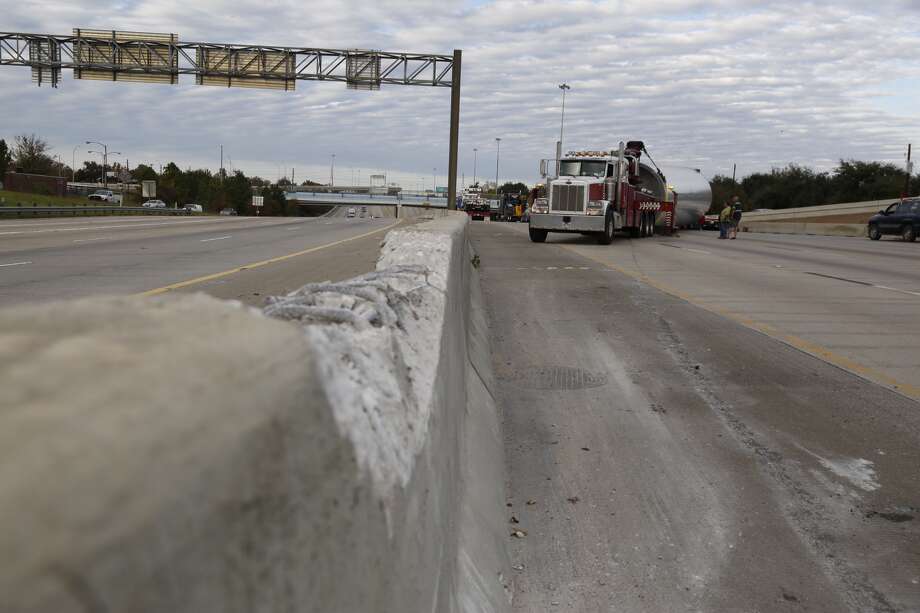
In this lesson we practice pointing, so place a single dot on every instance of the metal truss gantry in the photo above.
(160, 58)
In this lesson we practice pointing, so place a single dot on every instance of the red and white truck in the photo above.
(603, 192)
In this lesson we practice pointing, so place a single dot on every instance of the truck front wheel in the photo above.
(537, 236)
(606, 237)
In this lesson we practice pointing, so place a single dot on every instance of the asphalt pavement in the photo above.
(682, 429)
(244, 258)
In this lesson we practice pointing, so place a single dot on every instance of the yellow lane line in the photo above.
(818, 351)
(281, 258)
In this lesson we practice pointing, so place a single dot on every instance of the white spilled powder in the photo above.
(377, 342)
(857, 471)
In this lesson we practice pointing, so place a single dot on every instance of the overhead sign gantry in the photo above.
(161, 58)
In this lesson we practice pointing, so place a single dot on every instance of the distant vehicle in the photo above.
(351, 212)
(103, 195)
(228, 211)
(193, 208)
(154, 204)
(900, 218)
(710, 222)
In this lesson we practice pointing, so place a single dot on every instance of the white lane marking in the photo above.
(894, 289)
(219, 238)
(15, 264)
(86, 240)
(697, 251)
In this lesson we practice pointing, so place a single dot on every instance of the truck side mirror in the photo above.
(542, 168)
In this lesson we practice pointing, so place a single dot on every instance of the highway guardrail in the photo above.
(52, 211)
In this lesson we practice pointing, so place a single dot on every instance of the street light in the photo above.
(498, 149)
(434, 180)
(475, 151)
(332, 172)
(105, 160)
(105, 157)
(563, 87)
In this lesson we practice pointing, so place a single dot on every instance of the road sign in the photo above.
(257, 200)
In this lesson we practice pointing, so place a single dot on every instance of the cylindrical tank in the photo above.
(694, 195)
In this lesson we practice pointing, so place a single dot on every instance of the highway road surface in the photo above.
(243, 258)
(703, 425)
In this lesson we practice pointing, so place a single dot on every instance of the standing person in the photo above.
(736, 215)
(725, 219)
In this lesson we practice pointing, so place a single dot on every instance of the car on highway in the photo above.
(899, 219)
(710, 222)
(351, 212)
(154, 204)
(193, 208)
(103, 195)
(228, 211)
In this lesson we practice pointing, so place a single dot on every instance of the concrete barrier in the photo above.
(184, 454)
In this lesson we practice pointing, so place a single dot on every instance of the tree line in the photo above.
(799, 186)
(212, 190)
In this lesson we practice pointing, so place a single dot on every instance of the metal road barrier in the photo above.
(52, 211)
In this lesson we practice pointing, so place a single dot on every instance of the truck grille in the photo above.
(568, 198)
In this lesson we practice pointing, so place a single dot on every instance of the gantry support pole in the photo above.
(454, 132)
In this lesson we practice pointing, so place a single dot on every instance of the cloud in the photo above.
(704, 84)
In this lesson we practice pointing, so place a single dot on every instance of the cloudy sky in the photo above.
(704, 84)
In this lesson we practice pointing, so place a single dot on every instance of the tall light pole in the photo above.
(332, 172)
(498, 150)
(434, 180)
(475, 151)
(73, 164)
(563, 87)
(105, 160)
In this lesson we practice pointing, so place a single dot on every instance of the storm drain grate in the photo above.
(558, 378)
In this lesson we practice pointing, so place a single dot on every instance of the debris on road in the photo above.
(573, 499)
(519, 534)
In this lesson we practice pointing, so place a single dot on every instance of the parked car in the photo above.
(710, 222)
(228, 211)
(103, 195)
(900, 218)
(351, 212)
(154, 204)
(193, 208)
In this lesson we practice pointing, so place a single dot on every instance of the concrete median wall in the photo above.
(185, 454)
(791, 227)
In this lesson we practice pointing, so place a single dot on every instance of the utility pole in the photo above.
(734, 169)
(498, 150)
(910, 169)
(332, 172)
(221, 165)
(434, 180)
(73, 165)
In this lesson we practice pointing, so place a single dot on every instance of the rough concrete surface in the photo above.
(663, 457)
(187, 454)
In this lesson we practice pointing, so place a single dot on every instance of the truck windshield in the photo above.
(582, 168)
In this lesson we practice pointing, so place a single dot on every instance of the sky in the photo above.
(706, 84)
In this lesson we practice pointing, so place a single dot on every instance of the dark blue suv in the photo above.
(901, 218)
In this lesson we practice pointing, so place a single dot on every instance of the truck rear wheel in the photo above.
(537, 236)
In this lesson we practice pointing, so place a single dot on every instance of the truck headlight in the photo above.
(540, 205)
(595, 207)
